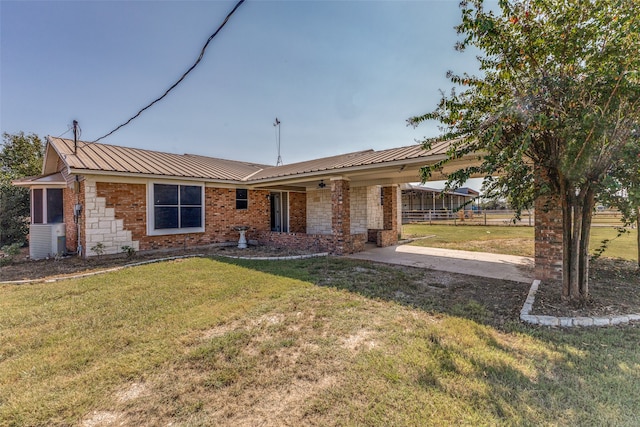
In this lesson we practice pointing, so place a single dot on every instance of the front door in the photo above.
(279, 211)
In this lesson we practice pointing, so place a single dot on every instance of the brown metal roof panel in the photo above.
(326, 163)
(230, 169)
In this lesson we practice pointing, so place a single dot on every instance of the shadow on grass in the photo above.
(535, 374)
(492, 302)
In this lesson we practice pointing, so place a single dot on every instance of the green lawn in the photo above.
(512, 240)
(324, 341)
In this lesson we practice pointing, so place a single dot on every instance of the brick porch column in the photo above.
(548, 238)
(389, 234)
(340, 215)
(390, 208)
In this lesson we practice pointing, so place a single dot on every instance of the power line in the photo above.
(183, 76)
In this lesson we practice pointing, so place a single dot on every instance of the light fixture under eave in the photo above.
(321, 184)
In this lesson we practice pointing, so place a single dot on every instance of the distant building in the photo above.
(421, 203)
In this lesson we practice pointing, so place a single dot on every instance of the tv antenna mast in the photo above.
(276, 125)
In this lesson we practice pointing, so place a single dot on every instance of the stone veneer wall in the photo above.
(319, 211)
(374, 208)
(102, 226)
(358, 209)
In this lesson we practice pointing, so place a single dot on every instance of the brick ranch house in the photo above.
(92, 194)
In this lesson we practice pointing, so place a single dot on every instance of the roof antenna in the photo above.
(75, 137)
(277, 126)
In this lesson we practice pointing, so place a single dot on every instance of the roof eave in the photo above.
(74, 171)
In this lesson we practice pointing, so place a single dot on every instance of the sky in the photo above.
(341, 76)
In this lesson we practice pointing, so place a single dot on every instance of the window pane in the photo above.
(191, 217)
(241, 193)
(36, 215)
(241, 198)
(165, 217)
(54, 206)
(165, 194)
(190, 195)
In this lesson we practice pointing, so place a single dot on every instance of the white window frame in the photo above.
(151, 230)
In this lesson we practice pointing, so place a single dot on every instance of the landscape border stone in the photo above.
(568, 322)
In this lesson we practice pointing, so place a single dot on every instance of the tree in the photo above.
(21, 156)
(557, 101)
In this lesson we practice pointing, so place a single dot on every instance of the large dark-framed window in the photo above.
(242, 199)
(47, 206)
(176, 208)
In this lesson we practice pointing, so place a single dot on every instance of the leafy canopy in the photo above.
(559, 92)
(21, 156)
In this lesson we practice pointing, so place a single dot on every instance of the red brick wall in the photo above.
(390, 208)
(297, 212)
(301, 241)
(130, 204)
(70, 198)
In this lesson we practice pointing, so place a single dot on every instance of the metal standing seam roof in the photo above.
(361, 158)
(54, 178)
(113, 158)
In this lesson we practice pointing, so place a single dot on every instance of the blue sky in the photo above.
(341, 76)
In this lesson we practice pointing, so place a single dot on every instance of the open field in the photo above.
(324, 341)
(512, 240)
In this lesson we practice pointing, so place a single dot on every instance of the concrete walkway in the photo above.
(496, 266)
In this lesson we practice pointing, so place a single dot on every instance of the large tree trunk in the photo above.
(566, 239)
(588, 204)
(577, 214)
(576, 237)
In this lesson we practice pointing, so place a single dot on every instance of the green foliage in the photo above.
(557, 102)
(21, 156)
(98, 248)
(10, 251)
(621, 187)
(130, 251)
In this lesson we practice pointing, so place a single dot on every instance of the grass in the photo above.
(513, 240)
(309, 342)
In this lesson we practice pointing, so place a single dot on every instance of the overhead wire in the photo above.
(182, 77)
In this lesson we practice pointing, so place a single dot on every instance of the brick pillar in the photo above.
(340, 216)
(390, 208)
(389, 234)
(548, 238)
